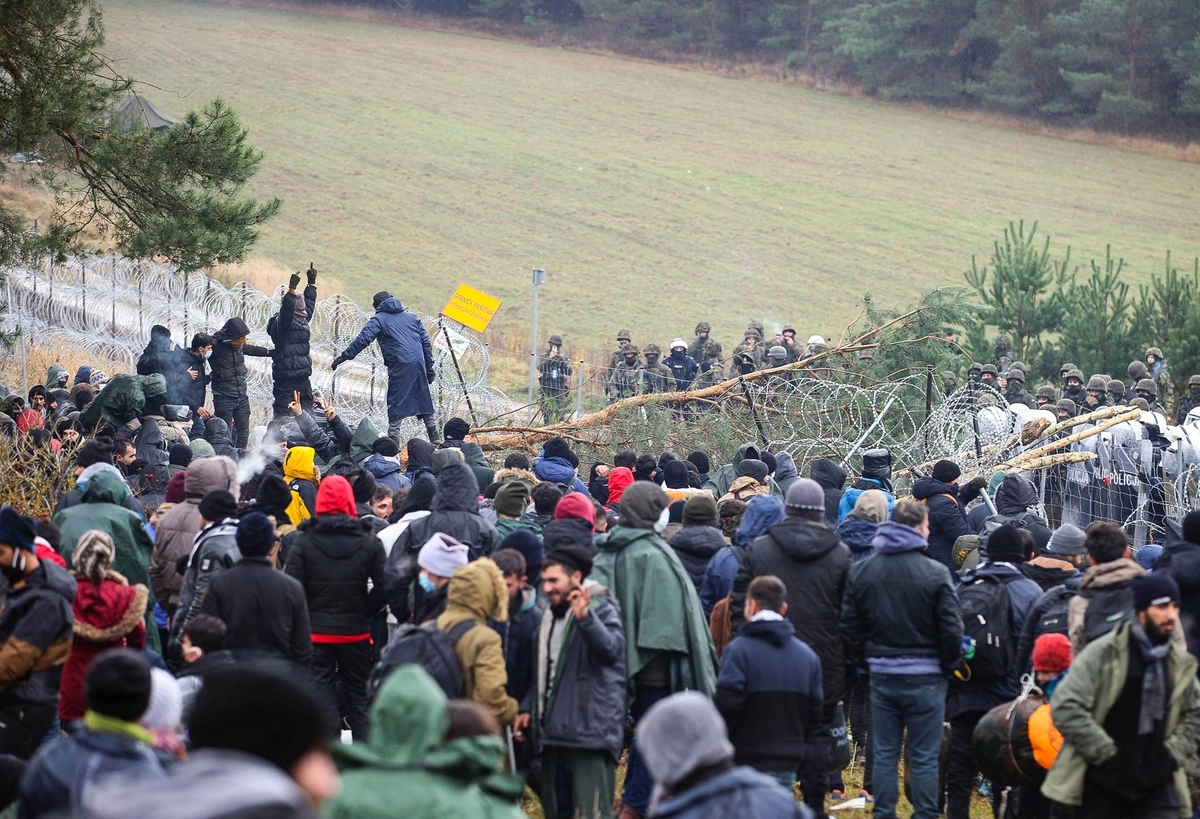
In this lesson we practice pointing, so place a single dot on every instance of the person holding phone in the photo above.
(580, 688)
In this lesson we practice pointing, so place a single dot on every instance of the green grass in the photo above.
(655, 196)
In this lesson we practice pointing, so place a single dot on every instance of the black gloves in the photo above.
(312, 274)
(294, 281)
(429, 376)
(337, 362)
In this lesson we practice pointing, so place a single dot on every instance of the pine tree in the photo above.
(1096, 324)
(175, 194)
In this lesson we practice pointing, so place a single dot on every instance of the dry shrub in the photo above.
(40, 356)
(267, 274)
(31, 479)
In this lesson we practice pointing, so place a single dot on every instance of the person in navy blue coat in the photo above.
(770, 688)
(409, 358)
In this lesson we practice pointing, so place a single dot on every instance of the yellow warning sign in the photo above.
(471, 308)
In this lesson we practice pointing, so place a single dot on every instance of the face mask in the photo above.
(663, 520)
(208, 355)
(427, 584)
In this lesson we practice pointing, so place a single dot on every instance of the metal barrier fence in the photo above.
(105, 307)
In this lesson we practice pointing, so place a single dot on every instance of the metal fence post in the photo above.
(579, 391)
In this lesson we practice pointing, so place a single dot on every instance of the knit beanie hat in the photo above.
(700, 460)
(1191, 527)
(946, 471)
(576, 505)
(456, 429)
(255, 535)
(258, 712)
(176, 489)
(93, 556)
(641, 505)
(1006, 544)
(1066, 540)
(805, 499)
(730, 513)
(1052, 653)
(15, 530)
(386, 446)
(529, 545)
(165, 711)
(754, 468)
(202, 449)
(675, 475)
(118, 684)
(179, 454)
(363, 483)
(769, 459)
(1153, 589)
(572, 557)
(512, 498)
(380, 298)
(218, 505)
(558, 447)
(700, 510)
(442, 554)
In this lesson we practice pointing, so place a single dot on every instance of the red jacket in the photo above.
(106, 616)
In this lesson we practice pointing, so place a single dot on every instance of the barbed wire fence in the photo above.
(1118, 464)
(104, 308)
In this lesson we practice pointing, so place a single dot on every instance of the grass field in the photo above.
(655, 196)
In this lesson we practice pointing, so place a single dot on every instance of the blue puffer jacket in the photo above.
(60, 778)
(407, 354)
(387, 472)
(559, 470)
(740, 793)
(850, 496)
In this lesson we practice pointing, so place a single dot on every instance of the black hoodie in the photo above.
(812, 562)
(832, 479)
(227, 364)
(695, 547)
(1015, 497)
(1181, 560)
(454, 512)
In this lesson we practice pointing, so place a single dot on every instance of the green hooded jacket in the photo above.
(101, 509)
(53, 374)
(659, 606)
(405, 769)
(1083, 699)
(720, 481)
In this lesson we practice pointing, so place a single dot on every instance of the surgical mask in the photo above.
(207, 355)
(426, 583)
(663, 520)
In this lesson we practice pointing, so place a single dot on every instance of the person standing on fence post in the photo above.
(289, 329)
(408, 355)
(231, 400)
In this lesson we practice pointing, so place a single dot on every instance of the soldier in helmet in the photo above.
(974, 372)
(623, 337)
(703, 338)
(743, 363)
(990, 376)
(656, 377)
(711, 370)
(1116, 392)
(554, 370)
(1017, 365)
(1190, 401)
(949, 382)
(683, 367)
(777, 356)
(1147, 390)
(1063, 372)
(1065, 408)
(625, 378)
(1161, 373)
(751, 346)
(1136, 371)
(1015, 392)
(1045, 396)
(1073, 388)
(1097, 392)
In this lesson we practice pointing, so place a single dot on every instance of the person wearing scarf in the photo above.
(1129, 714)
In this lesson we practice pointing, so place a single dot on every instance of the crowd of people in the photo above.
(298, 620)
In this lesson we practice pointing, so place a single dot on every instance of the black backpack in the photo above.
(1106, 608)
(426, 646)
(1054, 619)
(987, 618)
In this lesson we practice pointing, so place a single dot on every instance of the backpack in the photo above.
(297, 510)
(426, 646)
(987, 619)
(1106, 608)
(1054, 619)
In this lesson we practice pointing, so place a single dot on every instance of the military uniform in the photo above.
(1189, 401)
(1097, 393)
(696, 349)
(1016, 393)
(656, 376)
(1161, 373)
(623, 338)
(1116, 392)
(711, 370)
(1073, 388)
(1046, 396)
(626, 378)
(554, 370)
(1147, 390)
(756, 352)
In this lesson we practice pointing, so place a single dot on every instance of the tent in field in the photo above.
(136, 109)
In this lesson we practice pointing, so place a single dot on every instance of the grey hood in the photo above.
(680, 735)
(785, 468)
